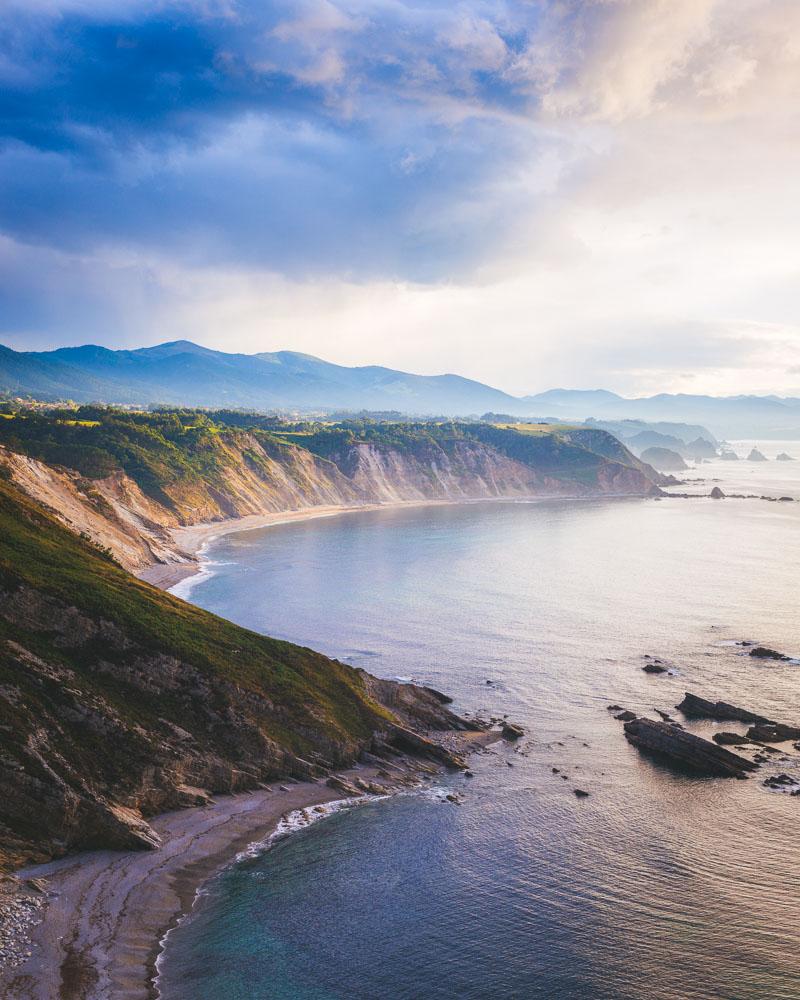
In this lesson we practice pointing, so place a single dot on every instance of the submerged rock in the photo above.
(626, 716)
(580, 793)
(512, 732)
(686, 749)
(656, 667)
(765, 653)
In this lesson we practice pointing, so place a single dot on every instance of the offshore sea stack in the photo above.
(686, 750)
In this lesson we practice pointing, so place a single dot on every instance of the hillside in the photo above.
(127, 479)
(118, 701)
(185, 374)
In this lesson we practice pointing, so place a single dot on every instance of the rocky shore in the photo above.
(96, 929)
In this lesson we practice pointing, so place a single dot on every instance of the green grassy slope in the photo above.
(114, 693)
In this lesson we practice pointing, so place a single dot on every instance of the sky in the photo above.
(539, 193)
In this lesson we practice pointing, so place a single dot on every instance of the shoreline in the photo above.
(192, 540)
(108, 914)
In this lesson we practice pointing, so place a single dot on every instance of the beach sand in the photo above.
(108, 911)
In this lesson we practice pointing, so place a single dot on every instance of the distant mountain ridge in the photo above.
(186, 374)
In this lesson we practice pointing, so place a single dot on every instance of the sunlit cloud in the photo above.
(527, 193)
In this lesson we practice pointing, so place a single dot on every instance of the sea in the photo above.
(658, 885)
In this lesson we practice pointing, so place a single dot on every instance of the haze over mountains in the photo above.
(182, 373)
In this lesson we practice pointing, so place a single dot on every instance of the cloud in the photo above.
(530, 192)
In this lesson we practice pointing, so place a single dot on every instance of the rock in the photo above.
(445, 699)
(717, 494)
(580, 793)
(686, 749)
(469, 774)
(407, 739)
(700, 708)
(615, 708)
(627, 716)
(765, 653)
(512, 732)
(783, 457)
(756, 456)
(656, 667)
(664, 715)
(773, 732)
(729, 739)
(343, 785)
(780, 781)
(786, 499)
(727, 455)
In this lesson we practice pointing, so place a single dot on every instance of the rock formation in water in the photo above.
(756, 456)
(695, 707)
(784, 457)
(766, 653)
(676, 745)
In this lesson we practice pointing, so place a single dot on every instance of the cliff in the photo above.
(118, 701)
(126, 480)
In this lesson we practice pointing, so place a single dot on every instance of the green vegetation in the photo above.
(176, 456)
(38, 552)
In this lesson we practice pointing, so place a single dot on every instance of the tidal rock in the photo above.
(616, 708)
(700, 708)
(780, 781)
(512, 732)
(580, 793)
(786, 500)
(664, 715)
(727, 455)
(756, 456)
(783, 457)
(765, 653)
(686, 749)
(729, 739)
(717, 494)
(656, 667)
(626, 716)
(773, 732)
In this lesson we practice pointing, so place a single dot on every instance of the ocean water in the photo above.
(656, 887)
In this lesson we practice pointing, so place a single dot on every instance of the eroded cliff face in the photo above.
(118, 701)
(251, 477)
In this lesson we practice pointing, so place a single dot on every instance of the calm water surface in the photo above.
(657, 886)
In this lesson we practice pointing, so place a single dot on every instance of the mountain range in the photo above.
(186, 374)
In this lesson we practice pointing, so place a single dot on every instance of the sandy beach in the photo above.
(107, 912)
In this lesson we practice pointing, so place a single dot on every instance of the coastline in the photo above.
(108, 913)
(192, 540)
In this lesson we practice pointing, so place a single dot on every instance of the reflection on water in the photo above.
(657, 886)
